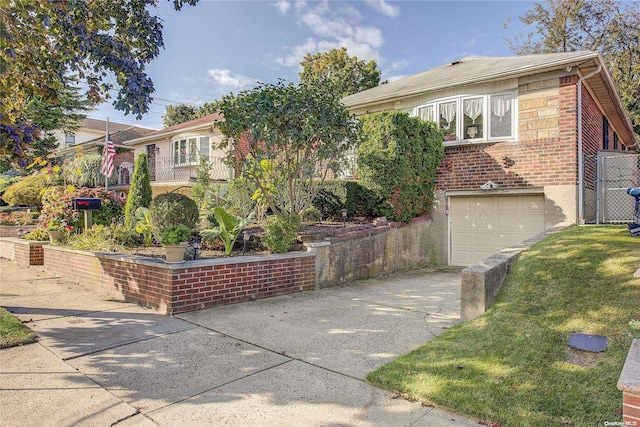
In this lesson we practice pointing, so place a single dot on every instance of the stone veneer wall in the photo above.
(369, 253)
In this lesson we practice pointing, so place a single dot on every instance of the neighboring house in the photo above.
(174, 154)
(89, 129)
(516, 133)
(123, 162)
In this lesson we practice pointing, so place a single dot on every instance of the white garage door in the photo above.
(483, 225)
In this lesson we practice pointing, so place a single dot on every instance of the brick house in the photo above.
(516, 133)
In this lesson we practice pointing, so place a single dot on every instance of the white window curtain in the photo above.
(500, 105)
(448, 113)
(426, 113)
(472, 108)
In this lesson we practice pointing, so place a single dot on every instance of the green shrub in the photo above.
(397, 160)
(280, 232)
(139, 192)
(144, 226)
(228, 228)
(27, 191)
(340, 194)
(172, 209)
(311, 215)
(57, 207)
(85, 171)
(97, 238)
(176, 234)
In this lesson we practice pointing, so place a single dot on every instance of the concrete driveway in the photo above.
(296, 360)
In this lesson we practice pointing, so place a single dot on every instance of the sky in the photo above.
(221, 47)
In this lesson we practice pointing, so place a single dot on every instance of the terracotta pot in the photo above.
(175, 253)
(56, 236)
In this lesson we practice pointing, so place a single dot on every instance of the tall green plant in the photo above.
(84, 171)
(228, 229)
(139, 192)
(144, 225)
(397, 160)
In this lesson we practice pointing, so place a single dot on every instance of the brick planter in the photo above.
(187, 286)
(629, 384)
(23, 252)
(12, 230)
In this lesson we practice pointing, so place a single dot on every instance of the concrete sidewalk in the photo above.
(296, 360)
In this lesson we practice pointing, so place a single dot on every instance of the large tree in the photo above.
(342, 73)
(609, 26)
(46, 44)
(175, 115)
(289, 139)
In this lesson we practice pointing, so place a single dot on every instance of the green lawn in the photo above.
(12, 331)
(512, 365)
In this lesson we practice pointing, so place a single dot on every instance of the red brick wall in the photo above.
(631, 409)
(534, 162)
(516, 164)
(178, 288)
(23, 252)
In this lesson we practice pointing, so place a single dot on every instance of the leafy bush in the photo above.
(228, 229)
(240, 198)
(280, 232)
(140, 194)
(172, 209)
(144, 225)
(176, 234)
(85, 171)
(397, 160)
(311, 215)
(27, 191)
(340, 194)
(19, 218)
(97, 238)
(57, 207)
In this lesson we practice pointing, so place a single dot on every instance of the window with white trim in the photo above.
(187, 151)
(472, 118)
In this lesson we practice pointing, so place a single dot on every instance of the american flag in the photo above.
(107, 159)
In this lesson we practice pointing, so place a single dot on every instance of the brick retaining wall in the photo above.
(23, 252)
(188, 286)
(629, 384)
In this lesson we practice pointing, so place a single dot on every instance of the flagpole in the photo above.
(104, 153)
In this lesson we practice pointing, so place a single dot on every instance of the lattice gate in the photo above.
(607, 176)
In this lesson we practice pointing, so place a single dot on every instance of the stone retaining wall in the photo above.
(12, 230)
(373, 252)
(480, 283)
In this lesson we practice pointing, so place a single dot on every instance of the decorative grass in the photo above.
(13, 332)
(512, 365)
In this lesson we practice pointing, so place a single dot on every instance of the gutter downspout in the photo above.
(580, 153)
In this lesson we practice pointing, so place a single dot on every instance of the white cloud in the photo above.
(225, 80)
(283, 6)
(298, 53)
(334, 29)
(385, 8)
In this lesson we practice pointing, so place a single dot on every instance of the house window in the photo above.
(615, 141)
(187, 151)
(69, 140)
(501, 116)
(483, 117)
(605, 133)
(473, 118)
(426, 113)
(447, 119)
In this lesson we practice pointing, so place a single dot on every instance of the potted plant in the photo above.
(58, 230)
(175, 239)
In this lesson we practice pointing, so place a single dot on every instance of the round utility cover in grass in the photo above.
(595, 343)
